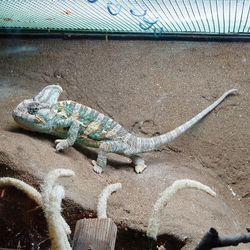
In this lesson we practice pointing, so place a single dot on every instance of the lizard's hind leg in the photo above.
(138, 163)
(105, 148)
(101, 162)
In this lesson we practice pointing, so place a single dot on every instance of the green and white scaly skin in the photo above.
(75, 123)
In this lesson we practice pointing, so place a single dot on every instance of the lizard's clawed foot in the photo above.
(140, 168)
(61, 144)
(96, 168)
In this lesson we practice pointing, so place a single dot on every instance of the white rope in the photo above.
(31, 192)
(103, 199)
(52, 195)
(165, 196)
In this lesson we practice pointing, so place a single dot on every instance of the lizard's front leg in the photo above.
(73, 132)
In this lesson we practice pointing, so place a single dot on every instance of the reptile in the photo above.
(76, 123)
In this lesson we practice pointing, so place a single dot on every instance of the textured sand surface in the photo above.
(150, 88)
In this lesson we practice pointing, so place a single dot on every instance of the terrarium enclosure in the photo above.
(150, 65)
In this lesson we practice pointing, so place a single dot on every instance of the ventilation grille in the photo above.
(129, 16)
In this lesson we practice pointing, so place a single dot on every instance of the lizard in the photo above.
(73, 123)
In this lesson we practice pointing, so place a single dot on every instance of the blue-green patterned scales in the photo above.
(95, 126)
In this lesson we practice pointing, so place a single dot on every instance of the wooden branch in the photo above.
(92, 234)
(212, 240)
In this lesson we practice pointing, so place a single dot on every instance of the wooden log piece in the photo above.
(95, 234)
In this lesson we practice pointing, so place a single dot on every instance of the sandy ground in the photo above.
(150, 88)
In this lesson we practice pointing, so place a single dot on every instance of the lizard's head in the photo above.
(33, 114)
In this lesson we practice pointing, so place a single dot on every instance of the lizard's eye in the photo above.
(33, 109)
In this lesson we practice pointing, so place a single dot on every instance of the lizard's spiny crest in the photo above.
(49, 94)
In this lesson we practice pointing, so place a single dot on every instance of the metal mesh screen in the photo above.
(130, 16)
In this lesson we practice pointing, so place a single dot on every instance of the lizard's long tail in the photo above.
(148, 144)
